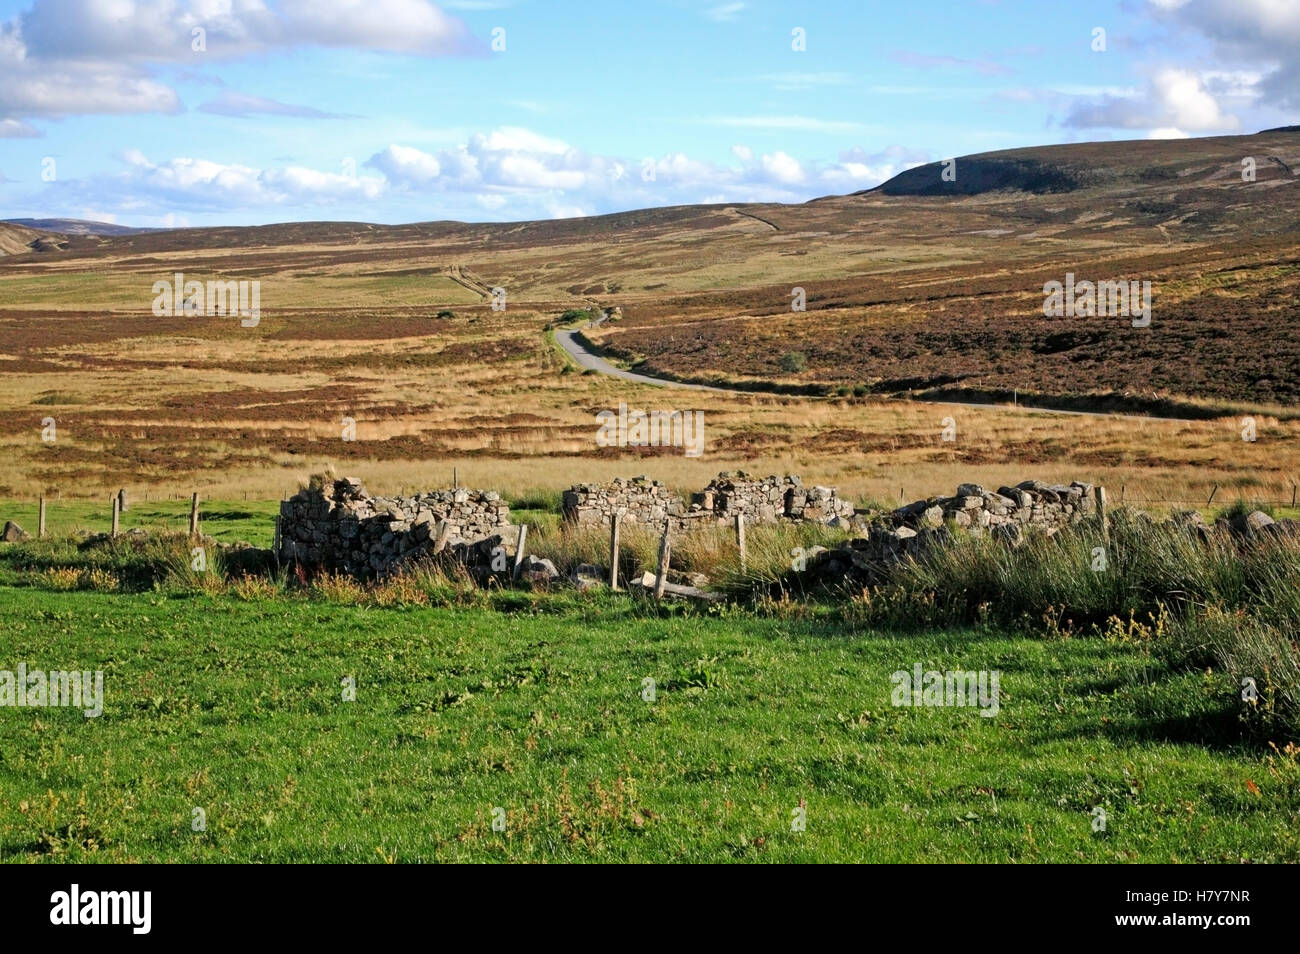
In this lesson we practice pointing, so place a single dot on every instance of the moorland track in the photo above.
(589, 359)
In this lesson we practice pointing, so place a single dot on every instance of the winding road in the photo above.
(590, 360)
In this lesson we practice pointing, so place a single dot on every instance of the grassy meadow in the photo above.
(600, 726)
(538, 707)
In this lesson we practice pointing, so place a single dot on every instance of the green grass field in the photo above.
(534, 705)
(250, 521)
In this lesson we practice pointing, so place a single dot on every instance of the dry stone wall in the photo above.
(1007, 514)
(338, 526)
(761, 500)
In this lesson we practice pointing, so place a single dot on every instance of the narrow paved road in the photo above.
(589, 359)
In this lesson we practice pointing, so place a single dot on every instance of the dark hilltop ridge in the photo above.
(1096, 165)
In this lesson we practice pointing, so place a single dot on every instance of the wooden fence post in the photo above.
(40, 520)
(1099, 493)
(1212, 493)
(123, 505)
(740, 537)
(117, 509)
(614, 521)
(665, 550)
(194, 514)
(519, 549)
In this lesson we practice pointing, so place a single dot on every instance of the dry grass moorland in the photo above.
(920, 289)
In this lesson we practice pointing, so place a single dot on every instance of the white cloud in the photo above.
(1173, 98)
(1185, 99)
(1261, 36)
(162, 30)
(203, 184)
(782, 168)
(1167, 132)
(506, 173)
(515, 139)
(69, 57)
(406, 165)
(13, 129)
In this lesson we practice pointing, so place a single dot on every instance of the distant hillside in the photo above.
(1045, 170)
(76, 226)
(19, 240)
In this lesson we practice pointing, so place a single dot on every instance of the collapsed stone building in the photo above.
(338, 526)
(762, 500)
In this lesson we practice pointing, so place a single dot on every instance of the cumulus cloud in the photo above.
(1257, 35)
(66, 57)
(505, 173)
(529, 167)
(1174, 98)
(204, 185)
(163, 30)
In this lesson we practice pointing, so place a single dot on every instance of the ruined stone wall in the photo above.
(1029, 502)
(1006, 514)
(764, 500)
(338, 526)
(640, 500)
(761, 500)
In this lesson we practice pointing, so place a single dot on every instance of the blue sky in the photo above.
(402, 110)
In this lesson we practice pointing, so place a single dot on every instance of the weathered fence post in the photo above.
(123, 504)
(117, 509)
(1099, 493)
(665, 549)
(40, 519)
(614, 521)
(1212, 493)
(740, 537)
(519, 549)
(194, 514)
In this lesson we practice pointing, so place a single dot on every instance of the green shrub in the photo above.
(793, 362)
